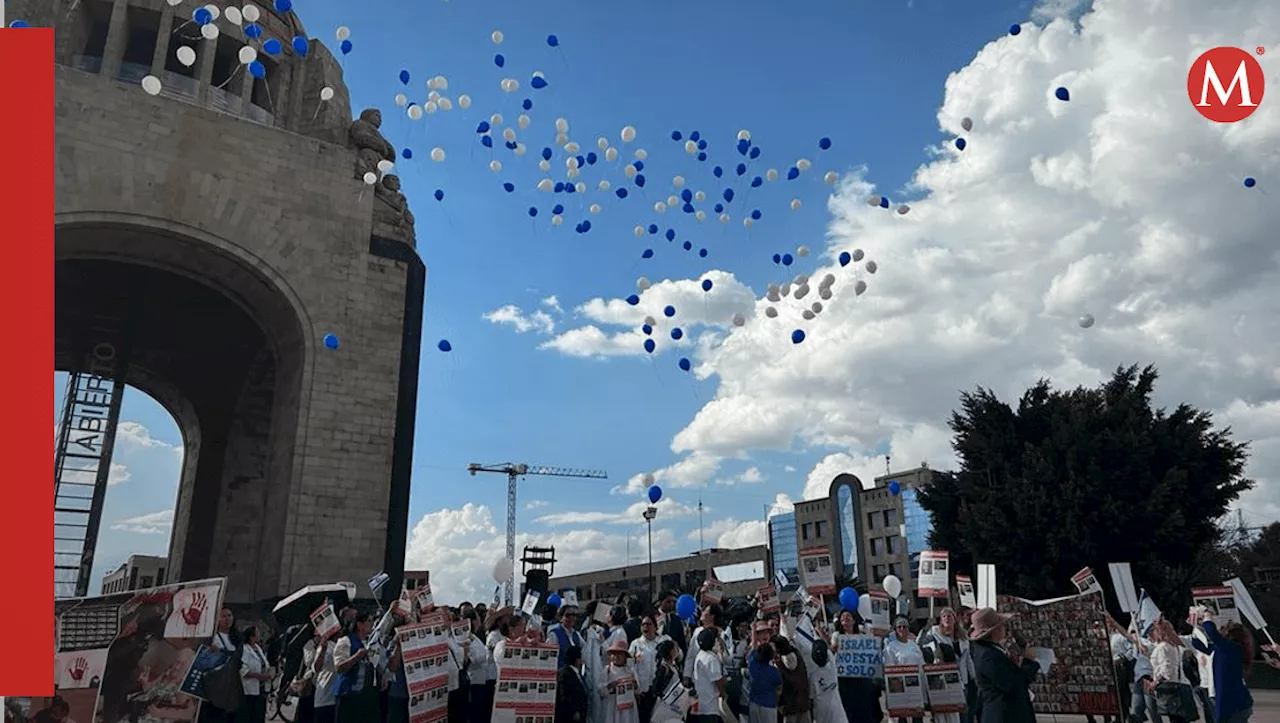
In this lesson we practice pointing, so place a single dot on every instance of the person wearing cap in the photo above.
(618, 685)
(1004, 682)
(565, 633)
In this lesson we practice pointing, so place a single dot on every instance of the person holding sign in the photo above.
(708, 678)
(1004, 681)
(355, 688)
(946, 643)
(900, 648)
(824, 686)
(766, 682)
(619, 685)
(859, 694)
(1232, 652)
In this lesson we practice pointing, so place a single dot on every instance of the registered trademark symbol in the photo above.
(1260, 50)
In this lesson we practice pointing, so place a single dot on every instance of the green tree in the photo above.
(1082, 478)
(1258, 565)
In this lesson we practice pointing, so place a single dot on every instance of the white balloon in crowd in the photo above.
(186, 55)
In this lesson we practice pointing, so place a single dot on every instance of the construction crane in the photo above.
(513, 471)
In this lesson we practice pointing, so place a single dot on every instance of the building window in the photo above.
(895, 569)
(877, 546)
(871, 521)
(849, 536)
(146, 582)
(891, 545)
(671, 581)
(890, 517)
(804, 530)
(817, 529)
(878, 573)
(693, 579)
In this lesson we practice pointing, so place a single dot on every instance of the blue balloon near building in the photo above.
(283, 6)
(894, 487)
(849, 599)
(686, 607)
(553, 600)
(300, 45)
(655, 494)
(272, 46)
(331, 341)
(257, 69)
(345, 47)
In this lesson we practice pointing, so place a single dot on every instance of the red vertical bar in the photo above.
(26, 301)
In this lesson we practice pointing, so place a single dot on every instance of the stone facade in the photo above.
(259, 230)
(681, 573)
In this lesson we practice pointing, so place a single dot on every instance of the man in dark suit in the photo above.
(571, 689)
(671, 625)
(635, 609)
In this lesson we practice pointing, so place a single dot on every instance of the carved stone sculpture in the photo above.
(396, 211)
(371, 147)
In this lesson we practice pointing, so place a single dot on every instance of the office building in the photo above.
(139, 572)
(743, 571)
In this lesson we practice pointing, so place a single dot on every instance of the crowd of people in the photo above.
(733, 662)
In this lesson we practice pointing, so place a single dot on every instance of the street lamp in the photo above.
(650, 513)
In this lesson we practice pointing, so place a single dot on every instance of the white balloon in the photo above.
(673, 200)
(678, 181)
(495, 166)
(502, 570)
(186, 55)
(247, 54)
(580, 187)
(690, 147)
(700, 215)
(795, 204)
(441, 82)
(699, 196)
(785, 289)
(804, 164)
(864, 606)
(209, 32)
(496, 37)
(966, 123)
(859, 287)
(739, 320)
(858, 254)
(544, 165)
(437, 154)
(639, 231)
(326, 93)
(595, 208)
(893, 586)
(800, 279)
(642, 283)
(520, 149)
(801, 291)
(151, 85)
(628, 134)
(650, 321)
(562, 139)
(641, 154)
(370, 178)
(611, 154)
(385, 166)
(214, 10)
(571, 162)
(1085, 321)
(546, 184)
(174, 3)
(401, 99)
(571, 174)
(509, 135)
(445, 104)
(802, 252)
(434, 95)
(744, 135)
(648, 478)
(659, 207)
(829, 177)
(538, 74)
(605, 185)
(571, 147)
(724, 218)
(746, 222)
(903, 209)
(509, 85)
(414, 112)
(562, 125)
(495, 119)
(252, 14)
(233, 15)
(771, 174)
(808, 315)
(557, 220)
(629, 171)
(464, 101)
(431, 107)
(773, 295)
(771, 312)
(871, 267)
(343, 33)
(602, 143)
(522, 120)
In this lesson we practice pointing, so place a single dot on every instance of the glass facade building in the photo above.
(916, 527)
(782, 546)
(846, 507)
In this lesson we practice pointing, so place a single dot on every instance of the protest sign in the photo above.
(1086, 582)
(426, 601)
(569, 598)
(904, 696)
(859, 656)
(462, 630)
(712, 592)
(935, 575)
(1245, 602)
(878, 622)
(767, 599)
(530, 605)
(1122, 582)
(624, 693)
(816, 571)
(429, 699)
(427, 665)
(377, 582)
(206, 659)
(987, 586)
(945, 692)
(964, 587)
(325, 621)
(403, 606)
(1073, 634)
(526, 688)
(1220, 601)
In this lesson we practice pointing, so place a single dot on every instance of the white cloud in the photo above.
(632, 515)
(749, 476)
(460, 547)
(731, 533)
(513, 316)
(590, 342)
(119, 473)
(1047, 10)
(553, 303)
(134, 437)
(535, 504)
(691, 471)
(152, 523)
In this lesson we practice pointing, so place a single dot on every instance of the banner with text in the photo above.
(1086, 582)
(427, 664)
(1220, 601)
(904, 696)
(944, 690)
(964, 589)
(1082, 682)
(859, 656)
(935, 574)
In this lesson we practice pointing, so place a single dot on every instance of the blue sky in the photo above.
(870, 76)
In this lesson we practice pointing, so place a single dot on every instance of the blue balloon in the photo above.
(675, 135)
(509, 187)
(648, 254)
(1015, 29)
(202, 16)
(702, 145)
(272, 47)
(894, 487)
(570, 188)
(483, 127)
(407, 153)
(439, 194)
(741, 169)
(653, 229)
(649, 346)
(621, 192)
(677, 334)
(1062, 94)
(1250, 182)
(755, 214)
(695, 136)
(884, 202)
(633, 300)
(777, 258)
(511, 145)
(728, 195)
(686, 195)
(592, 158)
(639, 166)
(560, 186)
(686, 607)
(538, 82)
(793, 173)
(586, 226)
(640, 180)
(717, 171)
(655, 494)
(486, 141)
(702, 253)
(646, 329)
(688, 245)
(960, 144)
(845, 258)
(257, 69)
(706, 284)
(553, 41)
(253, 31)
(744, 146)
(345, 47)
(702, 156)
(849, 599)
(688, 208)
(546, 154)
(444, 345)
(755, 153)
(671, 234)
(557, 209)
(533, 212)
(499, 60)
(331, 341)
(719, 208)
(669, 311)
(757, 182)
(527, 104)
(824, 144)
(553, 600)
(19, 24)
(797, 336)
(404, 77)
(786, 259)
(685, 364)
(283, 6)
(300, 45)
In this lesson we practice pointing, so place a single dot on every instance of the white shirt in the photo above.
(253, 660)
(491, 644)
(324, 679)
(479, 669)
(1121, 647)
(1203, 662)
(706, 671)
(645, 654)
(1166, 664)
(897, 652)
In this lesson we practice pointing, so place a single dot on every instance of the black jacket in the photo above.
(674, 629)
(1005, 688)
(571, 697)
(632, 627)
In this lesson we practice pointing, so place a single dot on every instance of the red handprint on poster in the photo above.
(194, 611)
(78, 669)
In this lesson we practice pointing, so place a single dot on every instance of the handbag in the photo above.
(1177, 699)
(222, 686)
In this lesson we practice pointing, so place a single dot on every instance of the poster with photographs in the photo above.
(325, 621)
(935, 574)
(1086, 582)
(712, 592)
(816, 571)
(965, 591)
(1219, 601)
(904, 695)
(526, 688)
(426, 601)
(1082, 682)
(881, 611)
(945, 692)
(424, 649)
(429, 699)
(624, 693)
(767, 599)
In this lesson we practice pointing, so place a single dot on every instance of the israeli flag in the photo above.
(1146, 615)
(780, 579)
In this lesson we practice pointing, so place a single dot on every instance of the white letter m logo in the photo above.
(1224, 94)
